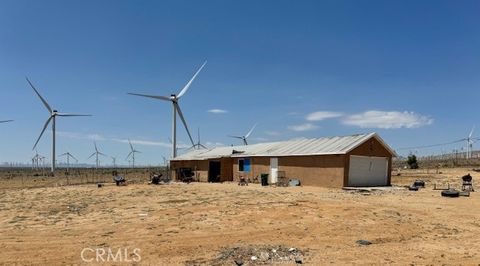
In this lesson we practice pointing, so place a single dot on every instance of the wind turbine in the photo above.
(176, 109)
(5, 121)
(198, 145)
(132, 154)
(53, 114)
(114, 160)
(244, 138)
(96, 153)
(36, 160)
(69, 155)
(165, 161)
(470, 142)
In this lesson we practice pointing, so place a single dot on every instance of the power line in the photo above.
(431, 146)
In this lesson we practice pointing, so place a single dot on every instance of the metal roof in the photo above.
(295, 147)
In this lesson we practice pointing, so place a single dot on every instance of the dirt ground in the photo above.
(198, 223)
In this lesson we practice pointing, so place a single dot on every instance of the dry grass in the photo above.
(195, 223)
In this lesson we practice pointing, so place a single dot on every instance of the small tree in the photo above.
(412, 161)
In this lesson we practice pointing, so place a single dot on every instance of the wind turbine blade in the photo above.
(198, 135)
(63, 154)
(250, 132)
(67, 114)
(237, 137)
(131, 146)
(95, 143)
(137, 151)
(184, 122)
(102, 154)
(43, 130)
(91, 155)
(128, 156)
(182, 92)
(165, 98)
(40, 96)
(73, 157)
(471, 132)
(5, 121)
(203, 146)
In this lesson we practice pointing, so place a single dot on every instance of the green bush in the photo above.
(412, 161)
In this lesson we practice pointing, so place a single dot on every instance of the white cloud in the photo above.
(261, 139)
(322, 115)
(76, 135)
(146, 142)
(272, 133)
(387, 120)
(98, 137)
(211, 144)
(303, 127)
(217, 111)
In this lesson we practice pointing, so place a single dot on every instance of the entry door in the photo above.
(273, 171)
(368, 171)
(214, 171)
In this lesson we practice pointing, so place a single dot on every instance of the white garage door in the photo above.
(368, 171)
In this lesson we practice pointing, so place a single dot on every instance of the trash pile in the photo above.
(416, 185)
(259, 255)
(158, 179)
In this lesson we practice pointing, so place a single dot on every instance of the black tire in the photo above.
(450, 193)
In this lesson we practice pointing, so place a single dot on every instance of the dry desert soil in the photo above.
(216, 224)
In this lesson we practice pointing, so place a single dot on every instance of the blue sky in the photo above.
(408, 70)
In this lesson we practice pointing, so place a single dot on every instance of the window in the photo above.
(244, 165)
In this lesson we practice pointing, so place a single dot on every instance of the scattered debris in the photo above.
(363, 242)
(99, 185)
(118, 179)
(464, 193)
(413, 188)
(259, 254)
(298, 260)
(243, 181)
(155, 179)
(294, 182)
(419, 183)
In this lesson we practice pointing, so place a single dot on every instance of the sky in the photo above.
(408, 70)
